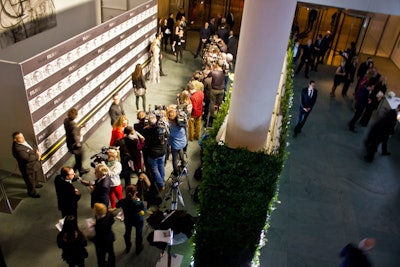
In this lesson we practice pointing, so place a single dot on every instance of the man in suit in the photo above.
(205, 33)
(101, 187)
(306, 57)
(74, 140)
(308, 98)
(67, 195)
(380, 133)
(28, 158)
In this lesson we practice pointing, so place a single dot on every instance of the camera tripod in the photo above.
(174, 192)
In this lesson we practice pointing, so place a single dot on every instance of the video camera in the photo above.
(101, 156)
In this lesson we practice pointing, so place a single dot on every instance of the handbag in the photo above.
(140, 91)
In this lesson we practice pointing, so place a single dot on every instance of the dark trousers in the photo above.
(200, 46)
(175, 154)
(369, 109)
(78, 160)
(31, 180)
(216, 98)
(301, 120)
(81, 263)
(356, 117)
(308, 64)
(139, 234)
(372, 147)
(101, 251)
(345, 88)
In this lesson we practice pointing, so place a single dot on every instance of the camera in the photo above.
(101, 156)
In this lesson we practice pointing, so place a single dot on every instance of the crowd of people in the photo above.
(370, 87)
(140, 150)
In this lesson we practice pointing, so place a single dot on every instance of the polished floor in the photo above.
(328, 195)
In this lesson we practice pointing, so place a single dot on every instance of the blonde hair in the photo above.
(102, 167)
(99, 209)
(119, 123)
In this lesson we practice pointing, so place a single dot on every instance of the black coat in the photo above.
(66, 196)
(104, 234)
(100, 191)
(73, 135)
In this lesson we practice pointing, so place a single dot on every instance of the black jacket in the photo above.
(66, 196)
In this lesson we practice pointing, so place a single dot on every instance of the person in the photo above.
(118, 129)
(155, 52)
(155, 149)
(376, 97)
(170, 27)
(363, 98)
(104, 238)
(28, 158)
(74, 140)
(181, 13)
(116, 109)
(197, 98)
(139, 86)
(232, 45)
(217, 76)
(139, 126)
(101, 187)
(115, 169)
(205, 33)
(306, 58)
(67, 195)
(357, 256)
(131, 151)
(296, 53)
(363, 69)
(177, 138)
(380, 133)
(177, 46)
(340, 75)
(316, 52)
(197, 81)
(325, 43)
(350, 67)
(308, 98)
(223, 31)
(312, 17)
(72, 242)
(134, 211)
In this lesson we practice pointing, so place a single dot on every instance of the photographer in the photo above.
(178, 136)
(155, 147)
(67, 195)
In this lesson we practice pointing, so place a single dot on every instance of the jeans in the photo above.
(157, 167)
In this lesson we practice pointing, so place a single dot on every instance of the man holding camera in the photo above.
(178, 137)
(67, 195)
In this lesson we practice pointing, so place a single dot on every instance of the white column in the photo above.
(264, 36)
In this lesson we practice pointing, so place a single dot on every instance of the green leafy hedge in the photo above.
(237, 195)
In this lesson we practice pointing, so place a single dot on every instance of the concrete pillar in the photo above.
(264, 36)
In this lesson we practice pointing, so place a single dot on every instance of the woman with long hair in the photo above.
(72, 242)
(118, 129)
(134, 211)
(139, 86)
